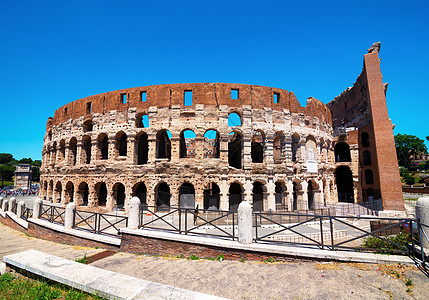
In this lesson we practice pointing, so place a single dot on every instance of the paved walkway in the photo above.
(246, 280)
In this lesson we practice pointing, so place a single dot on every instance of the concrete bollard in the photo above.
(133, 215)
(37, 208)
(4, 205)
(422, 213)
(245, 225)
(12, 203)
(1, 202)
(69, 218)
(20, 209)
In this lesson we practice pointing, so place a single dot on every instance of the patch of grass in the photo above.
(408, 281)
(242, 260)
(193, 257)
(270, 259)
(408, 290)
(210, 258)
(84, 260)
(382, 246)
(180, 256)
(220, 257)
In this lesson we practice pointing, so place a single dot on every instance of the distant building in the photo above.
(23, 176)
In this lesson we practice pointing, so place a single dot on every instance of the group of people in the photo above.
(19, 192)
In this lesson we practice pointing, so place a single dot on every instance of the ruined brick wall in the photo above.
(74, 164)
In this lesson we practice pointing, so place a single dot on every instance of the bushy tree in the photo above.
(5, 158)
(6, 173)
(408, 146)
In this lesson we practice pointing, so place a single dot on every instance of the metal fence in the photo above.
(52, 213)
(99, 223)
(26, 213)
(190, 221)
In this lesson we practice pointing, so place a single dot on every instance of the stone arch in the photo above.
(212, 197)
(102, 146)
(342, 152)
(344, 181)
(163, 144)
(62, 150)
(257, 147)
(235, 149)
(211, 144)
(142, 120)
(51, 191)
(234, 119)
(57, 192)
(121, 143)
(280, 195)
(187, 195)
(258, 192)
(87, 126)
(162, 193)
(83, 194)
(142, 146)
(187, 143)
(235, 195)
(86, 149)
(140, 191)
(297, 193)
(312, 187)
(118, 193)
(101, 192)
(69, 192)
(54, 153)
(73, 150)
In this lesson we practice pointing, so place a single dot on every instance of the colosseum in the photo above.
(213, 145)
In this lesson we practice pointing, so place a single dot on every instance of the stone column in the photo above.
(271, 203)
(290, 195)
(322, 193)
(79, 153)
(93, 151)
(224, 201)
(248, 189)
(151, 141)
(133, 215)
(269, 149)
(245, 225)
(37, 208)
(223, 148)
(112, 148)
(304, 201)
(199, 148)
(175, 148)
(20, 209)
(422, 213)
(69, 215)
(131, 148)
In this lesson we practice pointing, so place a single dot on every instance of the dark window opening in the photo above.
(234, 196)
(87, 150)
(141, 193)
(295, 197)
(370, 193)
(344, 179)
(258, 196)
(69, 192)
(73, 150)
(234, 150)
(276, 97)
(295, 146)
(87, 126)
(310, 195)
(104, 147)
(101, 190)
(187, 98)
(123, 98)
(279, 196)
(84, 193)
(143, 96)
(187, 196)
(163, 197)
(65, 111)
(122, 144)
(142, 149)
(119, 195)
(367, 158)
(365, 139)
(234, 94)
(342, 152)
(369, 178)
(212, 197)
(257, 152)
(142, 121)
(88, 108)
(163, 145)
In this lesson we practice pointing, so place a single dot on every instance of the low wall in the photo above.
(415, 190)
(8, 221)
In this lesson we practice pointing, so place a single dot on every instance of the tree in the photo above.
(26, 161)
(36, 174)
(5, 158)
(6, 173)
(408, 147)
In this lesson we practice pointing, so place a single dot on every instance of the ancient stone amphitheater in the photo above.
(209, 145)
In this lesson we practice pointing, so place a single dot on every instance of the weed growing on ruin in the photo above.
(220, 257)
(383, 246)
(408, 281)
(242, 260)
(270, 259)
(84, 260)
(193, 257)
(180, 256)
(210, 258)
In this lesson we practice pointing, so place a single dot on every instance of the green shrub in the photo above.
(401, 239)
(84, 260)
(409, 179)
(220, 257)
(403, 171)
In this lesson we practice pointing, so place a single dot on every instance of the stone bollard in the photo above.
(20, 209)
(4, 205)
(133, 215)
(1, 202)
(37, 208)
(422, 213)
(12, 203)
(245, 225)
(69, 218)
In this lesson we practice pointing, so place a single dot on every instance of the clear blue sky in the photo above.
(54, 52)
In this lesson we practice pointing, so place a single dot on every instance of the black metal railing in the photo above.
(26, 213)
(99, 223)
(52, 213)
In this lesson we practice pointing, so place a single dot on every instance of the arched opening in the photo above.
(87, 126)
(62, 152)
(119, 195)
(342, 152)
(365, 139)
(279, 196)
(367, 158)
(73, 150)
(83, 194)
(69, 192)
(234, 150)
(212, 197)
(235, 192)
(344, 179)
(295, 146)
(187, 144)
(142, 121)
(121, 143)
(257, 148)
(142, 149)
(101, 191)
(211, 144)
(163, 144)
(258, 196)
(310, 194)
(103, 146)
(54, 153)
(140, 192)
(296, 194)
(57, 192)
(234, 120)
(187, 196)
(370, 193)
(51, 191)
(278, 146)
(45, 190)
(163, 196)
(50, 135)
(86, 147)
(369, 178)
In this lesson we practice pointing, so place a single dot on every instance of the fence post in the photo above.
(1, 202)
(245, 226)
(12, 203)
(422, 213)
(37, 208)
(69, 219)
(20, 208)
(133, 213)
(4, 205)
